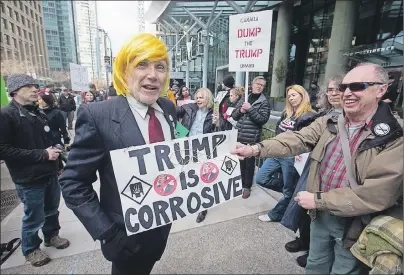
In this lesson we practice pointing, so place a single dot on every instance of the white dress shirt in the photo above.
(139, 111)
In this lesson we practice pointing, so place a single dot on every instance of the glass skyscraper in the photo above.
(60, 34)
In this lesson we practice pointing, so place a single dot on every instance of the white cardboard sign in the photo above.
(163, 182)
(79, 78)
(249, 41)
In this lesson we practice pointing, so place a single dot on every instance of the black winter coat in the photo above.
(23, 143)
(57, 125)
(188, 112)
(224, 124)
(67, 104)
(249, 124)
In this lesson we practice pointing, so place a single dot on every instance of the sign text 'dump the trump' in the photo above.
(167, 181)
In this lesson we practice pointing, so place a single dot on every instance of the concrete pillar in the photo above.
(205, 63)
(240, 76)
(188, 37)
(282, 41)
(177, 69)
(342, 31)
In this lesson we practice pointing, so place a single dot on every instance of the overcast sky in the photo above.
(118, 18)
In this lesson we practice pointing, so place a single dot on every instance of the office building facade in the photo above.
(23, 47)
(60, 34)
(90, 42)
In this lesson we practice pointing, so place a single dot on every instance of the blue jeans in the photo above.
(327, 254)
(290, 178)
(41, 203)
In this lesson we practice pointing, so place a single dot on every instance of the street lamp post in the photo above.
(106, 52)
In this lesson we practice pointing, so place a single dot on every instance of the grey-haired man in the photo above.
(25, 146)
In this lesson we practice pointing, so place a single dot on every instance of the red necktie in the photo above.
(155, 129)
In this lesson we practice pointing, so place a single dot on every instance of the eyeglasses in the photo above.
(358, 86)
(331, 90)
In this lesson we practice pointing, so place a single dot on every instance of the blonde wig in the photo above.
(304, 106)
(207, 95)
(144, 46)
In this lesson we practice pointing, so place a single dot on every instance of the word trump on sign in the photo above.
(249, 41)
(163, 182)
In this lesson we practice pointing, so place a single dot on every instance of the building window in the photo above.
(8, 40)
(23, 20)
(2, 7)
(32, 14)
(21, 6)
(4, 24)
(12, 27)
(17, 17)
(25, 34)
(19, 31)
(30, 36)
(15, 42)
(10, 12)
(26, 10)
(36, 17)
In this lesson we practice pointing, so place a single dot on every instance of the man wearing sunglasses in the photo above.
(341, 198)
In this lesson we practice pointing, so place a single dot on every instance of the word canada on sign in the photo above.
(249, 41)
(163, 182)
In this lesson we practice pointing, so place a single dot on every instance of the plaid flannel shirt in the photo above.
(332, 169)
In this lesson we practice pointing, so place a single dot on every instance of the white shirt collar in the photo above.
(141, 108)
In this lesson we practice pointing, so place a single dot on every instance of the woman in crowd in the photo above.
(197, 118)
(226, 122)
(56, 122)
(90, 97)
(297, 110)
(184, 97)
(329, 103)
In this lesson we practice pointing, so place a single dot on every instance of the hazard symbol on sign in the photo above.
(209, 172)
(165, 185)
(136, 190)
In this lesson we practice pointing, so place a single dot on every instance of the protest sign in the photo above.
(249, 41)
(299, 164)
(79, 78)
(163, 182)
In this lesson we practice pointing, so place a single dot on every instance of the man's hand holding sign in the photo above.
(178, 178)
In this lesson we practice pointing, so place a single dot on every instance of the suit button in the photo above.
(104, 241)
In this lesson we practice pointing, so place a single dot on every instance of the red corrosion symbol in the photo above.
(165, 185)
(209, 172)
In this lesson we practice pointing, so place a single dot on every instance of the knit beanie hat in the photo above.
(229, 81)
(17, 81)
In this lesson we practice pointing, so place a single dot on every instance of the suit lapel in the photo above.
(169, 118)
(125, 125)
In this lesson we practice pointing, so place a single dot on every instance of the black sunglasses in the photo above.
(358, 86)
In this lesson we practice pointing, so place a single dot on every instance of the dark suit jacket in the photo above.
(100, 128)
